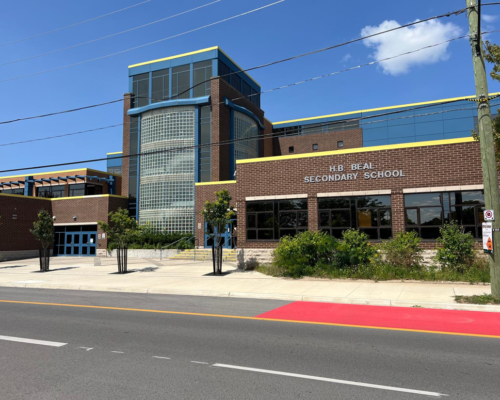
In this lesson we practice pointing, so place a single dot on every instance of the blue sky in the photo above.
(283, 30)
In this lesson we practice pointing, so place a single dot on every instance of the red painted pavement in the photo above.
(422, 319)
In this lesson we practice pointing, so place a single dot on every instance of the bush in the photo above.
(148, 239)
(457, 251)
(354, 249)
(403, 250)
(304, 253)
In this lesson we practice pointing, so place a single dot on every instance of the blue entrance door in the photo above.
(227, 236)
(80, 244)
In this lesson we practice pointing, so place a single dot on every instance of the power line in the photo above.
(75, 24)
(263, 65)
(226, 142)
(109, 36)
(142, 45)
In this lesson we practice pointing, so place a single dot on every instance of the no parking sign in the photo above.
(489, 215)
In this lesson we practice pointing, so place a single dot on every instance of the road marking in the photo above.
(32, 341)
(343, 382)
(86, 348)
(163, 358)
(199, 362)
(248, 318)
(118, 352)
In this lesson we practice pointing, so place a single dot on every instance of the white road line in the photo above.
(343, 382)
(199, 362)
(86, 348)
(119, 352)
(163, 358)
(32, 341)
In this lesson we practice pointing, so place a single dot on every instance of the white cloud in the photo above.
(489, 18)
(408, 39)
(346, 58)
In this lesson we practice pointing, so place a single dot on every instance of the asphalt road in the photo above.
(120, 354)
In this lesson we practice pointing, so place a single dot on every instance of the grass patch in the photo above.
(384, 272)
(486, 299)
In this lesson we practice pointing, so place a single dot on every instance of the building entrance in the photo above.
(78, 241)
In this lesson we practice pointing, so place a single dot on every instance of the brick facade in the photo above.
(437, 167)
(127, 104)
(327, 141)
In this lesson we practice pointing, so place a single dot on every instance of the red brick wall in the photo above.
(127, 103)
(430, 166)
(326, 142)
(15, 235)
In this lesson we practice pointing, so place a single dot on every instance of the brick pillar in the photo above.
(312, 213)
(398, 212)
(127, 104)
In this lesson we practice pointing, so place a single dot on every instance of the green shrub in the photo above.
(149, 239)
(403, 250)
(304, 253)
(355, 249)
(457, 251)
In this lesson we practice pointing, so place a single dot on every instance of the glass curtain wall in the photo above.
(245, 133)
(160, 86)
(181, 82)
(205, 139)
(140, 89)
(202, 71)
(167, 178)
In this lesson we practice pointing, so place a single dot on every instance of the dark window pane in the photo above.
(374, 201)
(385, 217)
(251, 235)
(181, 82)
(341, 218)
(236, 82)
(411, 217)
(293, 204)
(431, 216)
(423, 199)
(223, 71)
(429, 233)
(337, 233)
(288, 220)
(76, 239)
(92, 250)
(287, 232)
(328, 203)
(302, 219)
(385, 233)
(260, 206)
(324, 218)
(372, 233)
(265, 235)
(471, 229)
(475, 197)
(251, 221)
(84, 250)
(464, 215)
(265, 220)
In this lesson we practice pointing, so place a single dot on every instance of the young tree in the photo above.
(217, 215)
(492, 55)
(121, 231)
(43, 231)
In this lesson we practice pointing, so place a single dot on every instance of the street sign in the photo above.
(489, 215)
(488, 238)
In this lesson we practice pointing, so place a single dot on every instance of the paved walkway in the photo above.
(195, 278)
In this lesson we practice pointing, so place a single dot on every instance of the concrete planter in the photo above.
(145, 253)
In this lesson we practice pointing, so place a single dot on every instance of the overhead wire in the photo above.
(142, 45)
(75, 24)
(270, 63)
(110, 36)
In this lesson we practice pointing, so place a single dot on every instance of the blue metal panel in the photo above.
(197, 143)
(191, 80)
(231, 146)
(228, 103)
(235, 68)
(112, 184)
(114, 161)
(170, 103)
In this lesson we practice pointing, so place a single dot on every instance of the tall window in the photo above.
(425, 213)
(160, 86)
(270, 220)
(236, 82)
(50, 191)
(202, 71)
(224, 72)
(133, 165)
(245, 133)
(205, 151)
(18, 191)
(181, 82)
(369, 214)
(140, 89)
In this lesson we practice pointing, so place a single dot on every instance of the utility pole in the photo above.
(488, 161)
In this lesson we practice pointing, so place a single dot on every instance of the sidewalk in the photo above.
(196, 279)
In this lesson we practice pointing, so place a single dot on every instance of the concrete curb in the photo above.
(267, 296)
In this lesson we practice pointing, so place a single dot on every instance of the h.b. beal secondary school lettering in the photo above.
(371, 174)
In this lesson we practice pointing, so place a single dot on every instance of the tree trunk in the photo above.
(221, 252)
(213, 253)
(118, 259)
(125, 256)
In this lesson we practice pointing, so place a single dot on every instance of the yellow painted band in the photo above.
(245, 318)
(359, 150)
(377, 109)
(116, 152)
(58, 172)
(215, 183)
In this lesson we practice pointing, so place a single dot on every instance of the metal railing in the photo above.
(178, 242)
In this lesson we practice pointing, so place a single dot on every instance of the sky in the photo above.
(282, 30)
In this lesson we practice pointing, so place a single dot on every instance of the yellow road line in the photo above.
(246, 318)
